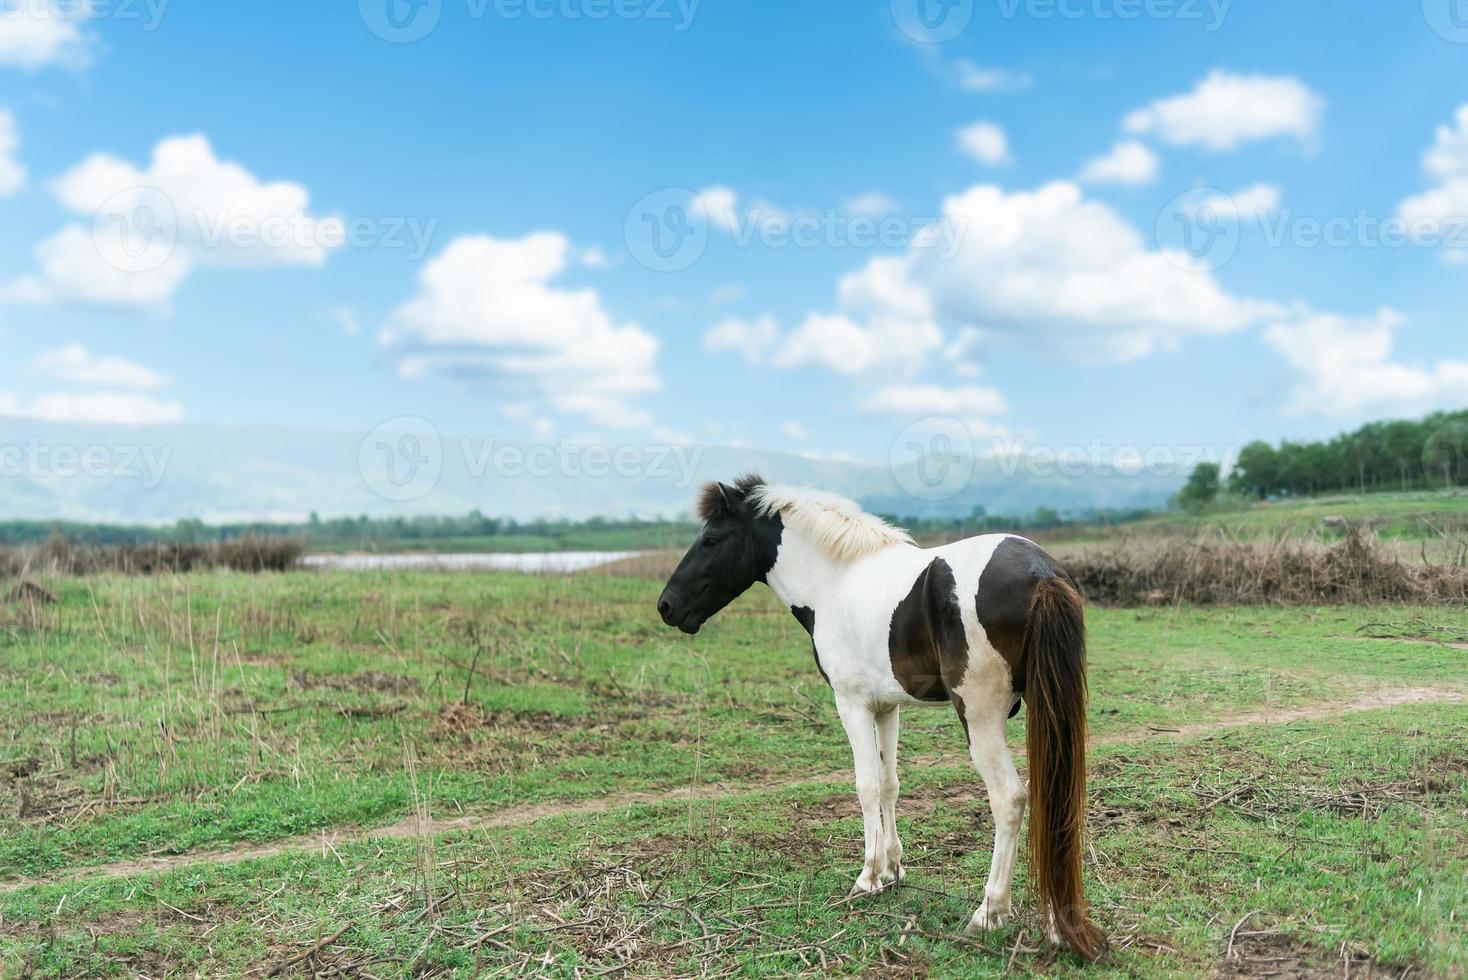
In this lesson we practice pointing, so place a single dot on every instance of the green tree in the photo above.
(1257, 472)
(1045, 518)
(1201, 488)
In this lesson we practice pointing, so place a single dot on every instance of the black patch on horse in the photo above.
(926, 641)
(1003, 600)
(806, 616)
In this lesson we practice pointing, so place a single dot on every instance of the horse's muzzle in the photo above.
(670, 607)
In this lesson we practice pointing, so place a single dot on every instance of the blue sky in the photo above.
(1066, 145)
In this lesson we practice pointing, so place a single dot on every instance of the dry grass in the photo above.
(1220, 571)
(60, 555)
(1279, 572)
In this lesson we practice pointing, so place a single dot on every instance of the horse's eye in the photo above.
(710, 542)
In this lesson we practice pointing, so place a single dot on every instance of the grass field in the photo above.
(1431, 515)
(372, 775)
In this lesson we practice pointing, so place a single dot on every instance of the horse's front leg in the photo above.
(887, 754)
(860, 722)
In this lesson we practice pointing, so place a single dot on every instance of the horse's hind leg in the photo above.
(887, 754)
(985, 713)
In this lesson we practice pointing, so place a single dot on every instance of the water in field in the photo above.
(532, 562)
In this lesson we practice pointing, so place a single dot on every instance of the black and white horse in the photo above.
(981, 623)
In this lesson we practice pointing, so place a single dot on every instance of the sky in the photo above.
(798, 226)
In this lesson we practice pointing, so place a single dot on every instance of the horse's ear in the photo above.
(717, 500)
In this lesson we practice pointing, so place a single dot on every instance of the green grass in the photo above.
(1423, 514)
(169, 715)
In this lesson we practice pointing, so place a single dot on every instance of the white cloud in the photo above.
(106, 407)
(148, 229)
(1056, 272)
(985, 142)
(974, 78)
(1225, 110)
(1044, 268)
(1250, 202)
(794, 431)
(958, 354)
(973, 406)
(883, 288)
(1128, 162)
(1345, 365)
(1445, 206)
(224, 213)
(74, 265)
(885, 344)
(486, 311)
(12, 174)
(871, 205)
(74, 364)
(851, 343)
(753, 339)
(719, 206)
(1448, 156)
(37, 33)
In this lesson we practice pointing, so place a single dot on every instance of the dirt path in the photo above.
(515, 816)
(1387, 698)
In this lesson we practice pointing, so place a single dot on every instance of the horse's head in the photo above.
(734, 550)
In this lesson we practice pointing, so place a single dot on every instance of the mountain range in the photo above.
(158, 474)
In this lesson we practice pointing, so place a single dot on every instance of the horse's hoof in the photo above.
(1052, 934)
(867, 884)
(985, 919)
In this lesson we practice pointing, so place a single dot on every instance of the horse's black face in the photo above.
(733, 551)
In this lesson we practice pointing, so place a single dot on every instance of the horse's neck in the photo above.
(803, 574)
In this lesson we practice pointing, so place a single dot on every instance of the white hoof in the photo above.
(987, 918)
(1052, 934)
(868, 883)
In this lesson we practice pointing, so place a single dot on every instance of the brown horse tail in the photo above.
(1055, 658)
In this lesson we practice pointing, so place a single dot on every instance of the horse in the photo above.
(986, 623)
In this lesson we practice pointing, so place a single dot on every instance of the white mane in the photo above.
(834, 524)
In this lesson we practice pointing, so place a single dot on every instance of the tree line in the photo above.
(1404, 454)
(360, 531)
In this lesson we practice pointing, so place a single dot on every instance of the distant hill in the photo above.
(127, 474)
